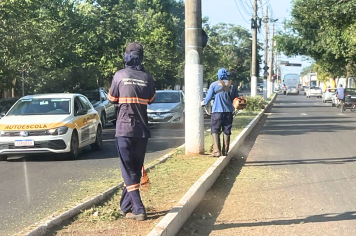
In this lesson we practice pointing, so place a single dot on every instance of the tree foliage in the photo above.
(70, 45)
(325, 31)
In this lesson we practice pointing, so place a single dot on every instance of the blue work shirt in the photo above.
(340, 93)
(223, 100)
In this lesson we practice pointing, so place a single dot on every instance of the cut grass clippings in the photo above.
(169, 181)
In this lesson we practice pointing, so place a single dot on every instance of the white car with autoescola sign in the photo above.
(50, 123)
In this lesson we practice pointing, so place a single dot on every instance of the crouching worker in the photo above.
(132, 89)
(223, 93)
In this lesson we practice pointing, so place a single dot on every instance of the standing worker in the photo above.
(223, 93)
(132, 89)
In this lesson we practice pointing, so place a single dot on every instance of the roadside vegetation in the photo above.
(169, 181)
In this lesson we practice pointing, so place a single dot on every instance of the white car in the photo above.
(328, 95)
(292, 90)
(50, 123)
(314, 92)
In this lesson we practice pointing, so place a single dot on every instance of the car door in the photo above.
(91, 118)
(109, 107)
(81, 122)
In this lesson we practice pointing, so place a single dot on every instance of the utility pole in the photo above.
(270, 76)
(254, 26)
(193, 78)
(23, 83)
(265, 74)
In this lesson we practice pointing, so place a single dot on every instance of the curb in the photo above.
(179, 214)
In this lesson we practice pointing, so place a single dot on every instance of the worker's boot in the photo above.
(226, 145)
(217, 146)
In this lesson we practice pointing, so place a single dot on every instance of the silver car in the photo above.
(106, 110)
(168, 107)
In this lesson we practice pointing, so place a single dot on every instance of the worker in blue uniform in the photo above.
(132, 89)
(223, 93)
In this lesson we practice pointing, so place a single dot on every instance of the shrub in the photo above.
(255, 103)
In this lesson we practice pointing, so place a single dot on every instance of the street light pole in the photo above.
(193, 78)
(254, 53)
(270, 76)
(265, 75)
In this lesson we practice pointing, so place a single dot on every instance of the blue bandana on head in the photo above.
(223, 74)
(134, 56)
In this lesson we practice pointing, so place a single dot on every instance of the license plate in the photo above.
(27, 142)
(157, 117)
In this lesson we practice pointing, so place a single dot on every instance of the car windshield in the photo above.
(41, 106)
(93, 96)
(167, 97)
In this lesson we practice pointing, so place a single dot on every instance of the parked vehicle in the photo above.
(292, 90)
(314, 92)
(328, 95)
(106, 110)
(50, 123)
(168, 107)
(6, 104)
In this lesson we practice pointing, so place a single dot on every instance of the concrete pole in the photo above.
(266, 57)
(193, 79)
(254, 54)
(270, 76)
(23, 84)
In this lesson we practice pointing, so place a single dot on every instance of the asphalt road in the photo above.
(304, 162)
(32, 186)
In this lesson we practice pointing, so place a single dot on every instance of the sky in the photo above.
(239, 12)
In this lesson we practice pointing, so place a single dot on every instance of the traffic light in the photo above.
(292, 64)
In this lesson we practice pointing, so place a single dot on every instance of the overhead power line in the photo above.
(241, 13)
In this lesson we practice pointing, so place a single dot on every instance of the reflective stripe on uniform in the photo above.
(133, 100)
(112, 98)
(133, 187)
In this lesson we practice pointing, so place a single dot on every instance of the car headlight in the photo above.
(176, 109)
(2, 133)
(57, 131)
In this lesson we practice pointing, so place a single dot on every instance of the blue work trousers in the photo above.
(221, 121)
(132, 155)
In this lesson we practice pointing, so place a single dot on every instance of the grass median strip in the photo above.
(169, 181)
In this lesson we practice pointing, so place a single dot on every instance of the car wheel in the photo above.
(332, 104)
(103, 119)
(98, 140)
(74, 146)
(3, 158)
